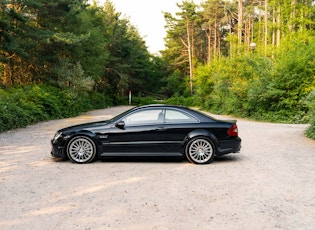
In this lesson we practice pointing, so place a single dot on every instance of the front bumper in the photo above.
(58, 144)
(57, 151)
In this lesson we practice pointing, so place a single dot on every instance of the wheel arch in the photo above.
(89, 134)
(201, 133)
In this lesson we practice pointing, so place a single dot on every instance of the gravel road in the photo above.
(269, 185)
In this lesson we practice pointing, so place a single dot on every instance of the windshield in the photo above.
(118, 117)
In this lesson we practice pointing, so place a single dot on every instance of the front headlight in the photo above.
(57, 135)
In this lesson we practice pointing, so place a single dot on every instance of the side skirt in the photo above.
(140, 154)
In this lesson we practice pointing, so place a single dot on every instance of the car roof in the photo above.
(201, 116)
(161, 105)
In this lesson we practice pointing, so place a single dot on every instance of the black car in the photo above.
(151, 130)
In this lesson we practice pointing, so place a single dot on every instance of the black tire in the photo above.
(81, 149)
(200, 150)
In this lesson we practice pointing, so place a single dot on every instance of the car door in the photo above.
(139, 133)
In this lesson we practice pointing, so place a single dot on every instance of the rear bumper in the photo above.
(229, 146)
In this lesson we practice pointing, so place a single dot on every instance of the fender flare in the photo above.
(93, 136)
(200, 133)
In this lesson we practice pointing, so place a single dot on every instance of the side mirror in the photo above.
(120, 124)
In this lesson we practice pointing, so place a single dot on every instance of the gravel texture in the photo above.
(269, 185)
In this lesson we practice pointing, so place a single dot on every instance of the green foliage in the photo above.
(272, 82)
(22, 106)
(310, 132)
(223, 86)
(180, 100)
(75, 46)
(176, 85)
(89, 52)
(138, 100)
(310, 100)
(262, 88)
(72, 76)
(280, 95)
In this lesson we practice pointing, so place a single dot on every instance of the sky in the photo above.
(147, 16)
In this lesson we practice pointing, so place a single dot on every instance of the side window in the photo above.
(174, 116)
(146, 117)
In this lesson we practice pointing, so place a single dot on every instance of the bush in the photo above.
(142, 101)
(180, 100)
(22, 106)
(310, 132)
(262, 88)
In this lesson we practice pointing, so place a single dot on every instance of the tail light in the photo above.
(233, 131)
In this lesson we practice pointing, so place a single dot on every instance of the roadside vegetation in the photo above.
(22, 106)
(65, 57)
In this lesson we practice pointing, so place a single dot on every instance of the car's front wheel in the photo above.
(81, 149)
(200, 150)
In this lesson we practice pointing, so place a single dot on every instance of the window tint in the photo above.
(174, 116)
(145, 117)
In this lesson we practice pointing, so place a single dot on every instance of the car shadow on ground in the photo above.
(141, 159)
(229, 158)
(136, 159)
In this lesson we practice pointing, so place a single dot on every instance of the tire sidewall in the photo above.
(199, 138)
(89, 140)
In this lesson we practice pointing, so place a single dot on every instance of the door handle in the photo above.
(160, 129)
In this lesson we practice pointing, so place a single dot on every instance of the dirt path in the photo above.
(269, 185)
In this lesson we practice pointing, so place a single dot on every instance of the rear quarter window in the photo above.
(174, 116)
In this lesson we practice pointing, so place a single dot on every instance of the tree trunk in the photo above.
(189, 57)
(278, 25)
(240, 22)
(6, 74)
(274, 22)
(215, 36)
(247, 32)
(209, 45)
(292, 16)
(266, 26)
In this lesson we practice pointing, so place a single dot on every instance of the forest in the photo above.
(248, 58)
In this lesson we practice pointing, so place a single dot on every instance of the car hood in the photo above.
(85, 126)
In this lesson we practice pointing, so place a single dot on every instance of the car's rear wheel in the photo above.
(200, 150)
(81, 149)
